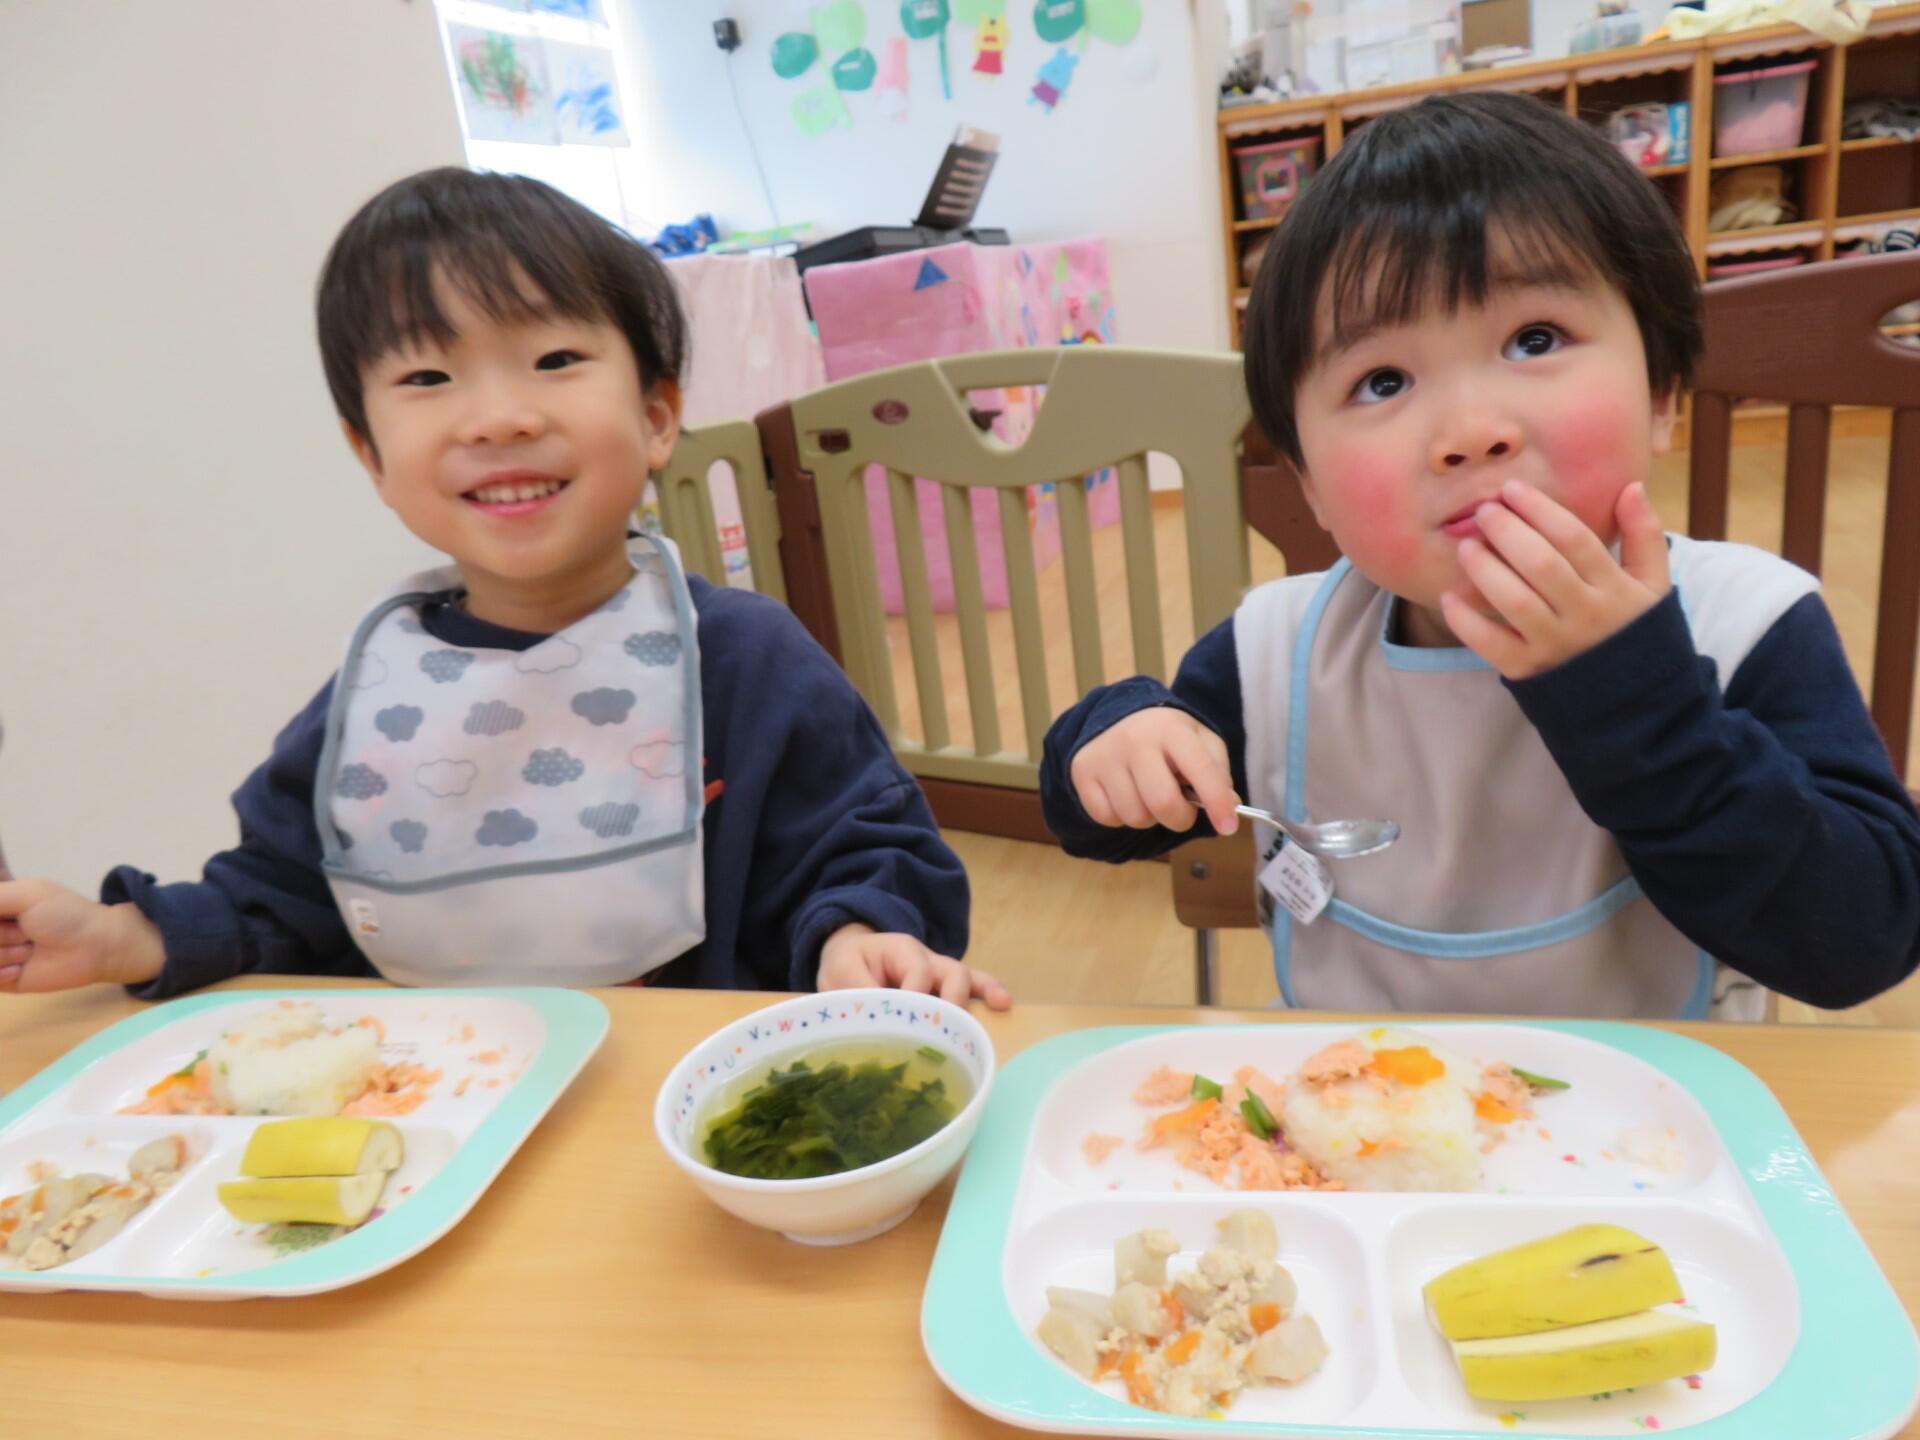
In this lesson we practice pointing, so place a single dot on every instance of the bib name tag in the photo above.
(1299, 882)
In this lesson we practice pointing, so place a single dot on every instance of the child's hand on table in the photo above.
(857, 955)
(54, 939)
(1553, 588)
(1131, 773)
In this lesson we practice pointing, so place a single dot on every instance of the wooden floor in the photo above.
(1057, 929)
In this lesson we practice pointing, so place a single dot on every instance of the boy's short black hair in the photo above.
(481, 232)
(1403, 214)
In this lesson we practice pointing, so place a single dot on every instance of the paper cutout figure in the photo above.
(1055, 76)
(990, 47)
(891, 89)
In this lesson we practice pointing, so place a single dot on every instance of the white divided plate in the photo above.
(1812, 1340)
(504, 1056)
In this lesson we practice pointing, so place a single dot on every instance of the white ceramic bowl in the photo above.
(857, 1204)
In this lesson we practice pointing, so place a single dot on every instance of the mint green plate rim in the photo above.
(576, 1024)
(1854, 1373)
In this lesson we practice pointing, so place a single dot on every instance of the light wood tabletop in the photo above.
(593, 1291)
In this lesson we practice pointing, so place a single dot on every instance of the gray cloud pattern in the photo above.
(443, 667)
(610, 820)
(506, 827)
(604, 706)
(399, 723)
(656, 647)
(409, 835)
(552, 767)
(360, 782)
(494, 717)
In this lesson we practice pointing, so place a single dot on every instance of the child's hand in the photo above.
(856, 956)
(1131, 773)
(53, 939)
(1558, 589)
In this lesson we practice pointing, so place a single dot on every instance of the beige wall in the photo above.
(184, 538)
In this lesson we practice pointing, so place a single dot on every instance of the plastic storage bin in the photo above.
(1755, 110)
(1272, 175)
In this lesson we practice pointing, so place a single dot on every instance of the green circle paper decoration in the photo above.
(793, 55)
(1059, 20)
(840, 27)
(1114, 21)
(855, 70)
(923, 19)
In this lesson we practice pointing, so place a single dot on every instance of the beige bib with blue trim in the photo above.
(1501, 895)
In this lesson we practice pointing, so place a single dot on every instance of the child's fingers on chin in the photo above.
(1489, 639)
(1501, 586)
(1564, 530)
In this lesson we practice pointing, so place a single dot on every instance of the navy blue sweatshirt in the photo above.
(811, 824)
(1765, 823)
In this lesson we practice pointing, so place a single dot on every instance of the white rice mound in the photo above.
(1426, 1136)
(284, 1061)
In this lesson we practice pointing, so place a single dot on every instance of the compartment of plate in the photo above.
(1621, 1129)
(1733, 1276)
(1073, 1246)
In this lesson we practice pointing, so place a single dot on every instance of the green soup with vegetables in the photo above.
(831, 1108)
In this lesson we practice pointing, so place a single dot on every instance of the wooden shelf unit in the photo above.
(1843, 188)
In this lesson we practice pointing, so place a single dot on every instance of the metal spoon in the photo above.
(1331, 839)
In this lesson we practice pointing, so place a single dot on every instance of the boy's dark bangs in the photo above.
(1396, 263)
(506, 284)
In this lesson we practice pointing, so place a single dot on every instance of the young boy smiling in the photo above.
(1633, 772)
(558, 760)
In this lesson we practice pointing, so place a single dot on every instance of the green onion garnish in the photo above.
(1205, 1089)
(1259, 1119)
(1538, 1082)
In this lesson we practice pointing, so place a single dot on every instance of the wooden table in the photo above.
(593, 1292)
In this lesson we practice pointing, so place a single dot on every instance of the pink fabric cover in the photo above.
(956, 300)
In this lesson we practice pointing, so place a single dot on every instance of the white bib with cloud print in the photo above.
(490, 817)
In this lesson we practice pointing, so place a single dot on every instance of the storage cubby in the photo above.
(1839, 187)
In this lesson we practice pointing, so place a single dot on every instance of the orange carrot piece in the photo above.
(1181, 1120)
(1413, 1065)
(1181, 1350)
(1488, 1108)
(1263, 1316)
(1367, 1147)
(1170, 1303)
(1139, 1388)
(1104, 1365)
(171, 1082)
